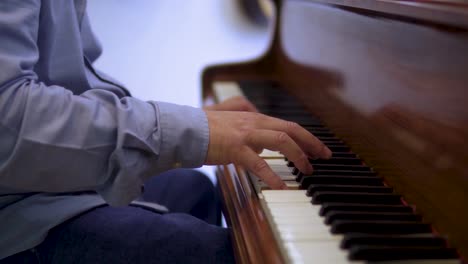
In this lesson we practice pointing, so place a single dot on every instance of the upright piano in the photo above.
(384, 84)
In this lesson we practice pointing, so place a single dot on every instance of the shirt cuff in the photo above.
(184, 136)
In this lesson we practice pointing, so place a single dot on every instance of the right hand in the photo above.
(238, 137)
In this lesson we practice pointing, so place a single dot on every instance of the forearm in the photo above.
(54, 141)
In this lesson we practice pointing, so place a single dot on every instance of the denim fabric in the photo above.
(134, 235)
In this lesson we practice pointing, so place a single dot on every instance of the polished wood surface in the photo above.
(389, 79)
(253, 238)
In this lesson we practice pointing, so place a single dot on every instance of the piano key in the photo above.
(342, 167)
(423, 240)
(327, 207)
(280, 162)
(268, 154)
(415, 261)
(347, 188)
(324, 134)
(336, 167)
(292, 185)
(332, 142)
(337, 161)
(380, 253)
(379, 227)
(346, 197)
(332, 216)
(338, 148)
(226, 90)
(344, 155)
(317, 129)
(340, 180)
(316, 252)
(282, 196)
(318, 172)
(287, 176)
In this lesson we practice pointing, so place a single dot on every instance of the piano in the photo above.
(384, 84)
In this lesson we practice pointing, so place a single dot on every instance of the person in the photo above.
(83, 164)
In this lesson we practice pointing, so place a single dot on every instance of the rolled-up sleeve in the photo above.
(54, 141)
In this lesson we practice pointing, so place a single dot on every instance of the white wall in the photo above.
(158, 48)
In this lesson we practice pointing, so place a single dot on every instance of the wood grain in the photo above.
(391, 79)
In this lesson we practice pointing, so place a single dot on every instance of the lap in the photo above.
(135, 235)
(185, 191)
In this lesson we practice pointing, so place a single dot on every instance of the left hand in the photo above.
(237, 103)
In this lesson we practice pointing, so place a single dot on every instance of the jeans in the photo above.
(187, 234)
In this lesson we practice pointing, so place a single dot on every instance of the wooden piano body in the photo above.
(388, 77)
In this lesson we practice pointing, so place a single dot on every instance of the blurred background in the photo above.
(158, 49)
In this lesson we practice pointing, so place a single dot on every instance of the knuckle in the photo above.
(291, 126)
(282, 138)
(260, 165)
(248, 136)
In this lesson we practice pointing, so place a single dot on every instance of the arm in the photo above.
(54, 141)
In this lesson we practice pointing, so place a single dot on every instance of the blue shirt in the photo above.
(70, 137)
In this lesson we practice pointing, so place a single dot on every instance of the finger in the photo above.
(260, 168)
(311, 145)
(280, 141)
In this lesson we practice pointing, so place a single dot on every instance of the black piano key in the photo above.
(338, 148)
(333, 142)
(319, 166)
(324, 134)
(383, 253)
(340, 180)
(325, 137)
(344, 155)
(332, 216)
(346, 197)
(316, 129)
(327, 207)
(420, 240)
(300, 119)
(379, 227)
(347, 188)
(300, 175)
(341, 167)
(337, 161)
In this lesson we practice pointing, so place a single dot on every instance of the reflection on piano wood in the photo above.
(383, 84)
(343, 211)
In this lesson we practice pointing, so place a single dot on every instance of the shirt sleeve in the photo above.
(54, 141)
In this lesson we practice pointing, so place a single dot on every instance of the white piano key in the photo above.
(293, 185)
(294, 220)
(281, 196)
(271, 154)
(323, 252)
(421, 261)
(276, 162)
(292, 212)
(308, 232)
(281, 169)
(226, 90)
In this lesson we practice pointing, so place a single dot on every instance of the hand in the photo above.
(238, 137)
(237, 103)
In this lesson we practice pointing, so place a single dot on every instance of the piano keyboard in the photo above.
(343, 212)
